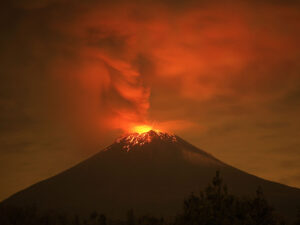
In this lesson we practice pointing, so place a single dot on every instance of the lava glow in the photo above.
(141, 129)
(135, 139)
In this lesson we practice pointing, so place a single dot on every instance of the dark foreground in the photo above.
(213, 206)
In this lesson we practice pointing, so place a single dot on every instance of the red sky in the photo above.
(74, 76)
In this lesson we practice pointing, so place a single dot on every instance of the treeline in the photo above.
(213, 206)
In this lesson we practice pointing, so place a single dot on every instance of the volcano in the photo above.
(150, 173)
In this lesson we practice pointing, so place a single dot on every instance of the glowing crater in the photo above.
(139, 139)
(142, 129)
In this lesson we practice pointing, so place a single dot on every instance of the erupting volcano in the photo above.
(131, 141)
(150, 172)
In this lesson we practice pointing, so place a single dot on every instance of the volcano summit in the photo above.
(151, 173)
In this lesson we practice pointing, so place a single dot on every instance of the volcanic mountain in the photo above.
(150, 173)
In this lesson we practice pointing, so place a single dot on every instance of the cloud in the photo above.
(100, 67)
(208, 70)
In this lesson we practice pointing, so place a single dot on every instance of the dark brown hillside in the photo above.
(150, 174)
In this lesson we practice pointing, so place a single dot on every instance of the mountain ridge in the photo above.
(152, 178)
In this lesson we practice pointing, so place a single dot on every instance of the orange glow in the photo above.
(138, 139)
(124, 72)
(141, 129)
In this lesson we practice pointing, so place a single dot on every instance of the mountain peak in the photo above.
(149, 172)
(139, 139)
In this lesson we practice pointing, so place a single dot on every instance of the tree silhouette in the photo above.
(215, 206)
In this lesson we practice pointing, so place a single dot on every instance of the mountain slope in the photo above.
(150, 173)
